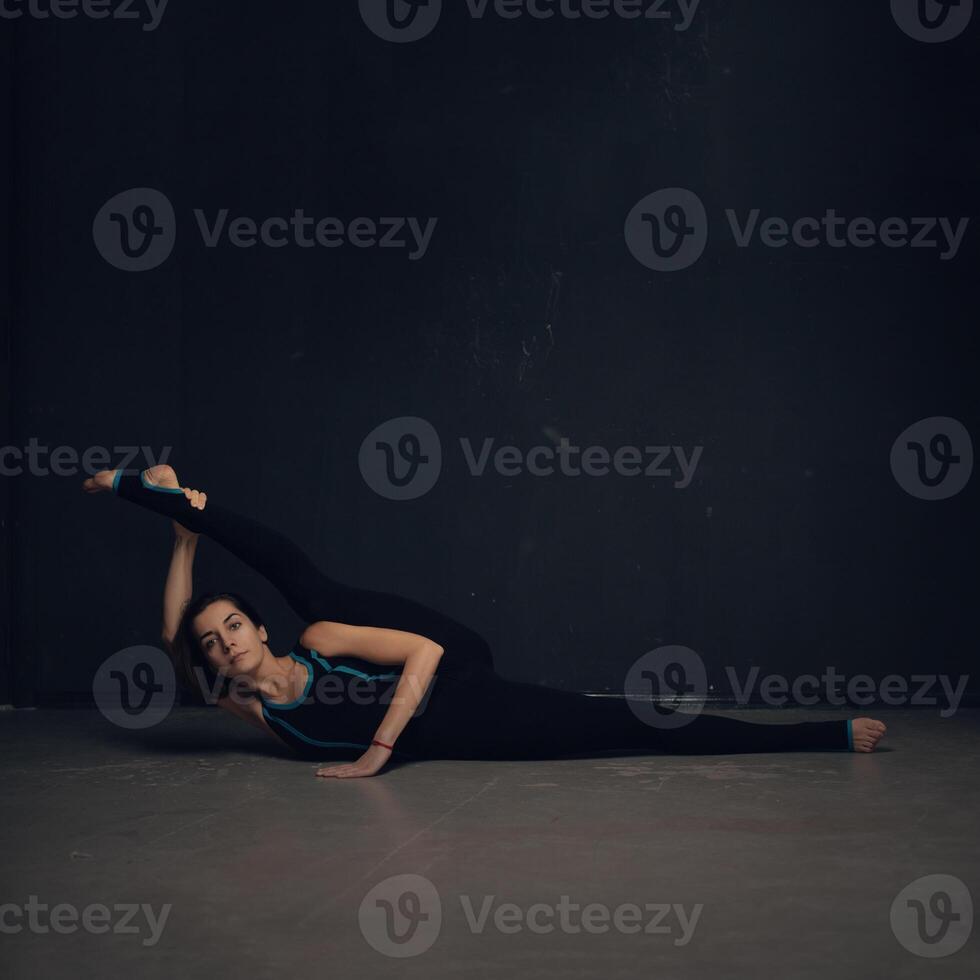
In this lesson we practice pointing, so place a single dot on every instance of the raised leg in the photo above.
(311, 593)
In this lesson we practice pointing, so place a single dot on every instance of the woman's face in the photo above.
(228, 638)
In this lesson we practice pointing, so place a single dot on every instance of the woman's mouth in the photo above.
(238, 655)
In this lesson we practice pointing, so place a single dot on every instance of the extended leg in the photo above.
(714, 734)
(495, 718)
(310, 592)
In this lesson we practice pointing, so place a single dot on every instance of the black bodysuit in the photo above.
(468, 711)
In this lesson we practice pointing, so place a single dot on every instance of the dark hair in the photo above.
(194, 672)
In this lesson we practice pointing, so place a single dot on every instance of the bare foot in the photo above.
(865, 733)
(101, 481)
(162, 476)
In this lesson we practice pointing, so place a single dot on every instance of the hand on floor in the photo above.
(367, 765)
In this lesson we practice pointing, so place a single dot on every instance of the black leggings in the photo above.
(472, 712)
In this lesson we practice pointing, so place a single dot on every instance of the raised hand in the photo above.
(198, 498)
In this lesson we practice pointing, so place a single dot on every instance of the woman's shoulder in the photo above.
(344, 664)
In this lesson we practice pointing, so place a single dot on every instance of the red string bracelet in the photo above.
(374, 741)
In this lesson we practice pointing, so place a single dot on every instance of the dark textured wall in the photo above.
(6, 340)
(793, 370)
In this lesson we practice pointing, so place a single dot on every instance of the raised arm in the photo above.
(269, 552)
(180, 582)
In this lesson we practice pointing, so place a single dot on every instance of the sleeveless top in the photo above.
(342, 704)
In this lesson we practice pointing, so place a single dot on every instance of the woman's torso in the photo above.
(340, 706)
(467, 710)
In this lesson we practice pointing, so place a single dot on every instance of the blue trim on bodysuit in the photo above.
(330, 668)
(149, 486)
(314, 741)
(350, 670)
(850, 736)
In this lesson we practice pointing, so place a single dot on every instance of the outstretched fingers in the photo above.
(371, 762)
(342, 772)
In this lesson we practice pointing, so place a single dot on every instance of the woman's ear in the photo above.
(263, 634)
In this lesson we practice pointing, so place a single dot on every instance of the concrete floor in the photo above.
(788, 864)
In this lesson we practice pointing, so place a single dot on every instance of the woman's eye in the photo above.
(236, 624)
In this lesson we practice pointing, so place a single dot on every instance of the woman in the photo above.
(372, 669)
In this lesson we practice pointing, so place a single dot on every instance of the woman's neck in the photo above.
(275, 676)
